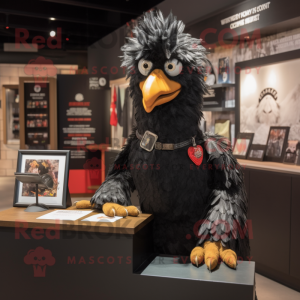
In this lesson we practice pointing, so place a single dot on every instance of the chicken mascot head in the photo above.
(189, 180)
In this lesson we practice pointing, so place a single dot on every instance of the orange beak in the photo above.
(158, 89)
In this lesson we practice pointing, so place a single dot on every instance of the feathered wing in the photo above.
(118, 184)
(226, 218)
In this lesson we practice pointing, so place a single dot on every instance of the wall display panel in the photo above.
(270, 96)
(37, 135)
(38, 113)
(83, 118)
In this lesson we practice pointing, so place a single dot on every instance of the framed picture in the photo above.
(242, 145)
(292, 153)
(257, 152)
(210, 78)
(261, 101)
(276, 144)
(223, 76)
(222, 127)
(52, 162)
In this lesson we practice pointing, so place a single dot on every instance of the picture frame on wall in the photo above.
(223, 74)
(52, 163)
(242, 145)
(292, 153)
(223, 128)
(270, 103)
(276, 144)
(257, 152)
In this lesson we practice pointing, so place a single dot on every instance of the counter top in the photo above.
(270, 166)
(128, 225)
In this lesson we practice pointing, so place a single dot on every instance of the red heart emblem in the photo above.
(196, 154)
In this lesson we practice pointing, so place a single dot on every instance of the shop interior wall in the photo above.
(270, 45)
(103, 56)
(9, 74)
(57, 56)
(12, 66)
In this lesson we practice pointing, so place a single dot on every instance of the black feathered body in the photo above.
(170, 186)
(175, 191)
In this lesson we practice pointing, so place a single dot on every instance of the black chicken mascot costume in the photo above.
(189, 180)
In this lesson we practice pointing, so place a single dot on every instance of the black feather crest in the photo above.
(153, 31)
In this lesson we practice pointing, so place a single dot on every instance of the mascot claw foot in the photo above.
(83, 204)
(110, 209)
(197, 256)
(113, 209)
(211, 253)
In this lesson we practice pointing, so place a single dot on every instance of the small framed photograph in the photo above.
(257, 152)
(55, 163)
(242, 145)
(222, 127)
(276, 144)
(292, 152)
(223, 76)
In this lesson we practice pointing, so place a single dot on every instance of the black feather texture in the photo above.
(178, 193)
(226, 219)
(118, 184)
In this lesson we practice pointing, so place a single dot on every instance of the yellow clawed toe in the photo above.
(197, 256)
(113, 209)
(229, 257)
(210, 254)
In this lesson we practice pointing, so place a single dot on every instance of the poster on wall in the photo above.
(270, 96)
(83, 104)
(223, 70)
(37, 115)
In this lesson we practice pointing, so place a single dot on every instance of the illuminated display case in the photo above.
(38, 113)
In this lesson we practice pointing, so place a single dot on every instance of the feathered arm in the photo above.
(226, 219)
(118, 184)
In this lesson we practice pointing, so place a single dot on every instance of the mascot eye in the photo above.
(173, 67)
(145, 66)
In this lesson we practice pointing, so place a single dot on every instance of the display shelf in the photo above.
(270, 166)
(222, 85)
(219, 109)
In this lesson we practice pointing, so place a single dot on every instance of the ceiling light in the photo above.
(67, 39)
(52, 33)
(52, 19)
(7, 27)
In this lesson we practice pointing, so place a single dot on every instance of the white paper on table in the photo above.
(65, 215)
(102, 218)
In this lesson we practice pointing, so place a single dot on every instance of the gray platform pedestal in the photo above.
(223, 283)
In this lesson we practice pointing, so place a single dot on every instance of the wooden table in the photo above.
(44, 259)
(128, 225)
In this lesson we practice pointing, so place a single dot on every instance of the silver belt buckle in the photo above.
(148, 141)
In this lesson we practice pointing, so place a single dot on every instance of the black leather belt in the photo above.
(149, 142)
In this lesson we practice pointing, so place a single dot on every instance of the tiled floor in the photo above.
(266, 289)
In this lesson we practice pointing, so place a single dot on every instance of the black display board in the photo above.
(83, 109)
(36, 95)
